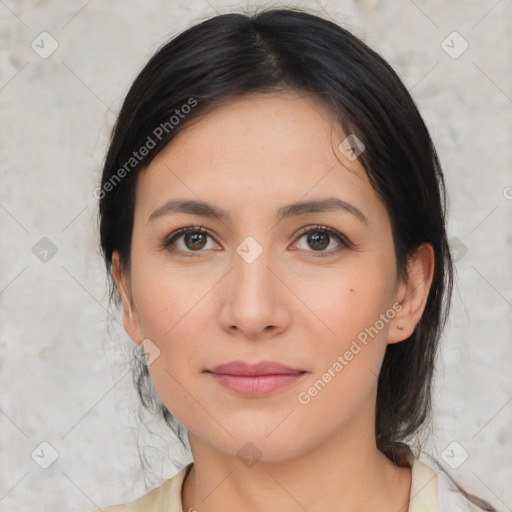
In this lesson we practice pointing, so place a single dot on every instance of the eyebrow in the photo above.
(203, 209)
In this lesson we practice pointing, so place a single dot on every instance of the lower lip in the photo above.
(258, 385)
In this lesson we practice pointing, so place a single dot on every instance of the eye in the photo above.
(319, 237)
(194, 239)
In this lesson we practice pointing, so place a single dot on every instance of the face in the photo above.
(314, 290)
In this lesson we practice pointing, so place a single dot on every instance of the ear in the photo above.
(412, 293)
(122, 281)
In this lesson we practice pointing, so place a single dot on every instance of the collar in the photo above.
(424, 493)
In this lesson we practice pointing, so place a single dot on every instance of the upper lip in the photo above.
(253, 369)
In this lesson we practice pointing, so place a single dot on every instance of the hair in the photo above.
(277, 50)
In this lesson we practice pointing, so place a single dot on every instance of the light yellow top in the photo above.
(428, 491)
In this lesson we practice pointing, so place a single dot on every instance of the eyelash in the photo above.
(344, 241)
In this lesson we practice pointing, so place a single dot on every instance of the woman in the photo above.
(272, 213)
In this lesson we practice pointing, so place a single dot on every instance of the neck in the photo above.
(343, 473)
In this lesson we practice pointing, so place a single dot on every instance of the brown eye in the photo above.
(318, 240)
(319, 237)
(194, 239)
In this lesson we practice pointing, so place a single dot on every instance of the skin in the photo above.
(251, 156)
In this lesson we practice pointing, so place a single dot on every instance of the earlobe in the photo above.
(130, 319)
(413, 294)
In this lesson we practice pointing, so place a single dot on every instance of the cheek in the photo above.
(352, 315)
(347, 303)
(165, 297)
(348, 359)
(169, 310)
(171, 387)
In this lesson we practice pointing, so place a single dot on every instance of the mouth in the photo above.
(255, 379)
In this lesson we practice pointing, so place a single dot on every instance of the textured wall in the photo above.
(64, 374)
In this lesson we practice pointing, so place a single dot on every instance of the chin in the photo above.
(253, 445)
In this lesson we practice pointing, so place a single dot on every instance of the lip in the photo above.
(255, 379)
(254, 369)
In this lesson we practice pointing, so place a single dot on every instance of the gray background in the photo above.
(64, 364)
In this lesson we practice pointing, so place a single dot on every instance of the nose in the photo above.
(255, 301)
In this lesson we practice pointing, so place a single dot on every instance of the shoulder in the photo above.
(451, 499)
(435, 491)
(166, 497)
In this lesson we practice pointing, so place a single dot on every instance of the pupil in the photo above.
(196, 238)
(317, 238)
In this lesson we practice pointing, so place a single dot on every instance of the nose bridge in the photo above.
(252, 261)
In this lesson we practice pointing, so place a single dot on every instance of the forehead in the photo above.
(262, 127)
(256, 151)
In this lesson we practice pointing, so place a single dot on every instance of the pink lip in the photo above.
(263, 368)
(255, 379)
